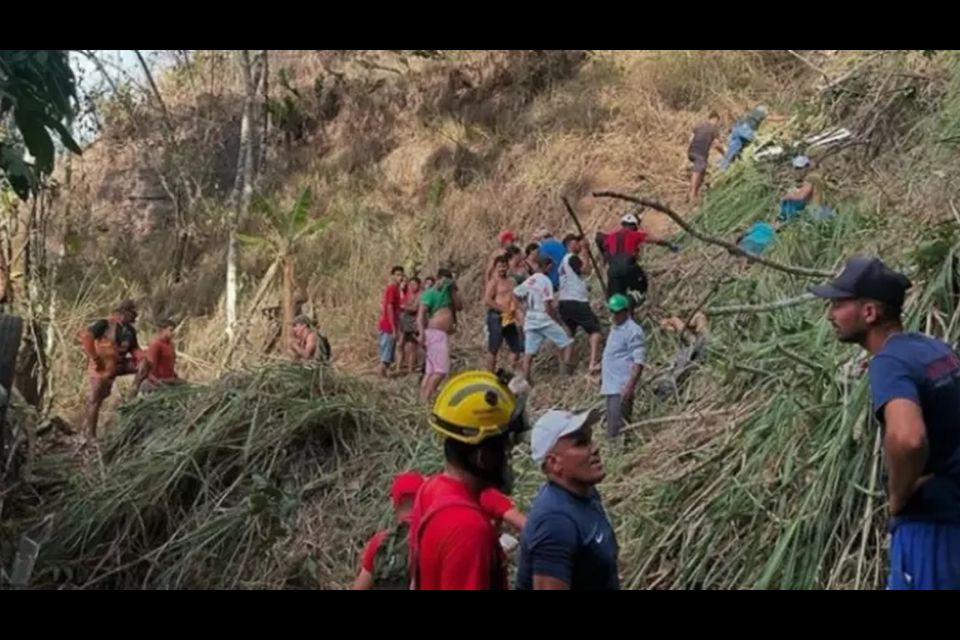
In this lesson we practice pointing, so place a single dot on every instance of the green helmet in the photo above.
(618, 302)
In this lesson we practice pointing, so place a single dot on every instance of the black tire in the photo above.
(11, 331)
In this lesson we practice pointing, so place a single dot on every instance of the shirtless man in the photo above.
(436, 321)
(505, 239)
(503, 323)
(306, 343)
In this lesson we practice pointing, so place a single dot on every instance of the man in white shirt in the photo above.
(541, 318)
(574, 297)
(623, 359)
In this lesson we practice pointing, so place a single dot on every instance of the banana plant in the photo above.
(284, 233)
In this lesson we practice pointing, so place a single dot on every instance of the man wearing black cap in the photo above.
(915, 386)
(113, 350)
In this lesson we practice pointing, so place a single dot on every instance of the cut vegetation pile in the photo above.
(232, 485)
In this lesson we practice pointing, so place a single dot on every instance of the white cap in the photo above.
(554, 425)
(630, 219)
(801, 162)
(519, 386)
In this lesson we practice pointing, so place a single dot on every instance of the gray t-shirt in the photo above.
(626, 346)
(703, 136)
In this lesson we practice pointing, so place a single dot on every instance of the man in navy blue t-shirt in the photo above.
(915, 386)
(568, 542)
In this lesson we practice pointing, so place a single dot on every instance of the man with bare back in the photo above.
(436, 321)
(503, 321)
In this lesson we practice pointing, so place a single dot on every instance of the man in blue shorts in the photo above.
(915, 387)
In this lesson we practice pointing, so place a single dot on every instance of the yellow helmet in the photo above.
(474, 406)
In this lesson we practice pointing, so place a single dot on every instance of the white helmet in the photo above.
(630, 219)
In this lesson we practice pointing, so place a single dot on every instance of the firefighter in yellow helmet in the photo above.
(453, 544)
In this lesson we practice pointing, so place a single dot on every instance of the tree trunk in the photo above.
(253, 69)
(230, 303)
(31, 372)
(54, 259)
(242, 191)
(264, 113)
(287, 300)
(261, 292)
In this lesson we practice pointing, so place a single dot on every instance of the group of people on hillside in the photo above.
(446, 531)
(760, 236)
(419, 317)
(113, 350)
(533, 296)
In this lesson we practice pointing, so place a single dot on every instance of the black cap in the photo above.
(866, 277)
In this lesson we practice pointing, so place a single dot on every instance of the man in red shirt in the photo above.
(453, 543)
(385, 566)
(158, 368)
(389, 325)
(384, 563)
(621, 250)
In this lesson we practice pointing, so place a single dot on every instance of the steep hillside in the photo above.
(759, 472)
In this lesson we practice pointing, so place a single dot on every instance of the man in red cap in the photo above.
(383, 565)
(506, 239)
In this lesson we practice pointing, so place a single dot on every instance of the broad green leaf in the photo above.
(298, 215)
(261, 205)
(311, 228)
(250, 241)
(66, 138)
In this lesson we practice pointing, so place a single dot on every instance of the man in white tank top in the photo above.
(574, 297)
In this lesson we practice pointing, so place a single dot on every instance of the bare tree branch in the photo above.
(796, 357)
(809, 64)
(729, 246)
(156, 91)
(759, 308)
